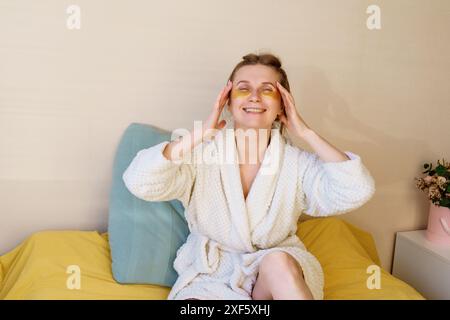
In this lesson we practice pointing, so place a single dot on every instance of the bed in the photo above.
(44, 264)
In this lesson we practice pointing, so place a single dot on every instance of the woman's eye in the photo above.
(264, 90)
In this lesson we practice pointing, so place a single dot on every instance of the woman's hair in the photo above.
(270, 60)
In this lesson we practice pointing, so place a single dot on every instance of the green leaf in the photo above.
(445, 202)
(441, 170)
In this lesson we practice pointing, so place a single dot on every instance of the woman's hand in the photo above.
(290, 118)
(185, 144)
(296, 125)
(212, 120)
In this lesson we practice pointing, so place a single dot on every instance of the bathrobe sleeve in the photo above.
(332, 188)
(152, 177)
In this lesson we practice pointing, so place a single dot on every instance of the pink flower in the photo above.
(441, 181)
(428, 180)
(434, 193)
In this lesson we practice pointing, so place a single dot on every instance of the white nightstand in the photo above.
(422, 264)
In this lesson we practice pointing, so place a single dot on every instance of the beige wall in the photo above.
(66, 96)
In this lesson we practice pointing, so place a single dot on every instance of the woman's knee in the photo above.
(280, 264)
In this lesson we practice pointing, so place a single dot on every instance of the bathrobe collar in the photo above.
(247, 214)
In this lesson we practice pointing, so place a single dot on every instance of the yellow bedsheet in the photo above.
(38, 268)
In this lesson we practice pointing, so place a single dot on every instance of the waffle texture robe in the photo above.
(229, 235)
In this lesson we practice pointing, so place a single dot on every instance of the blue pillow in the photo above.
(143, 236)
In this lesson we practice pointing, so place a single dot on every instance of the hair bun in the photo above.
(264, 58)
(251, 57)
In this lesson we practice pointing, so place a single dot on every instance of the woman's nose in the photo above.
(254, 96)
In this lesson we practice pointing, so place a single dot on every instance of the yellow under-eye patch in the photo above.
(243, 92)
(270, 93)
(238, 93)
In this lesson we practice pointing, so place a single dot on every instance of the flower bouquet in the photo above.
(436, 184)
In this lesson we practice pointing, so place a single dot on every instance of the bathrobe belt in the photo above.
(200, 253)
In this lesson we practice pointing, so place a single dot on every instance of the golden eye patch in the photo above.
(244, 92)
(240, 93)
(270, 93)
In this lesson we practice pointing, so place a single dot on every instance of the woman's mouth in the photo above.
(252, 110)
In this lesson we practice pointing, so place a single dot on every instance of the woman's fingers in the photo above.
(286, 102)
(286, 96)
(226, 90)
(219, 98)
(219, 104)
(223, 96)
(291, 118)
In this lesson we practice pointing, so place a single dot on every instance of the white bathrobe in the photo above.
(229, 235)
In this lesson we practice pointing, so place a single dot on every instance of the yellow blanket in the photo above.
(50, 265)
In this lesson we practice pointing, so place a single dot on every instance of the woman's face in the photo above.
(254, 86)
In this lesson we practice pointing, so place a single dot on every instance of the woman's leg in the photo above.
(280, 277)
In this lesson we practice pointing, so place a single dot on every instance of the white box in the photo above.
(422, 264)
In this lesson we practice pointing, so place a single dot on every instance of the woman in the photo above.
(243, 214)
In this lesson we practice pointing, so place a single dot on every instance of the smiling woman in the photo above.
(242, 217)
(268, 90)
(255, 101)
